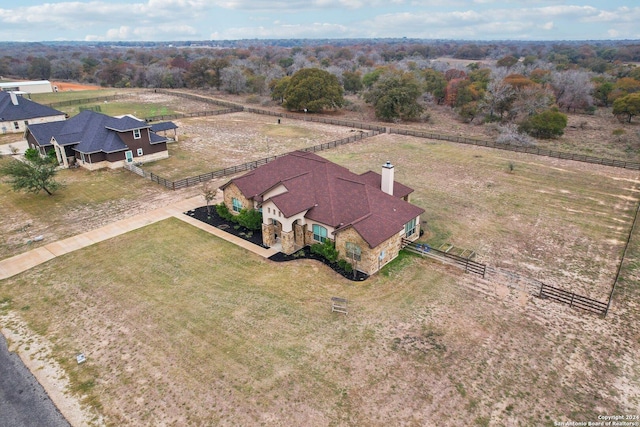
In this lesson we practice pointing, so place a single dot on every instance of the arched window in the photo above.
(319, 233)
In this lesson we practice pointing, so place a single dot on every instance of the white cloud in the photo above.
(232, 19)
(281, 30)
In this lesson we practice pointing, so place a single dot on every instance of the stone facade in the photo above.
(371, 260)
(231, 192)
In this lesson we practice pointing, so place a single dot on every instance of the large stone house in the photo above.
(307, 199)
(94, 140)
(17, 112)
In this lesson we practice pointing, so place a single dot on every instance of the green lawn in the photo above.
(51, 97)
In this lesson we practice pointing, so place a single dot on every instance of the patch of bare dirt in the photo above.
(70, 86)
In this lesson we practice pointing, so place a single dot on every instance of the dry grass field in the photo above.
(182, 328)
(210, 143)
(561, 222)
(88, 200)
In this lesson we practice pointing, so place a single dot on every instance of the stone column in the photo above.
(299, 231)
(288, 243)
(268, 235)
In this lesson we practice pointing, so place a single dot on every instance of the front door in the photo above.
(128, 156)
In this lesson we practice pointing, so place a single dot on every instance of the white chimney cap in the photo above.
(388, 164)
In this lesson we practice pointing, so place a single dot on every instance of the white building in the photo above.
(34, 86)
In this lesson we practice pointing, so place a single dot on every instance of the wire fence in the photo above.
(520, 149)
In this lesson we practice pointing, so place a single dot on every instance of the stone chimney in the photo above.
(387, 178)
(14, 98)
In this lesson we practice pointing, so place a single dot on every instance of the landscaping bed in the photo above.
(305, 253)
(255, 237)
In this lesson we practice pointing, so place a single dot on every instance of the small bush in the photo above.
(548, 124)
(327, 250)
(249, 218)
(223, 212)
(510, 135)
(345, 265)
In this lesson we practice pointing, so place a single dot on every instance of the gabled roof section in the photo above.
(331, 195)
(162, 126)
(156, 139)
(125, 124)
(42, 132)
(386, 219)
(25, 110)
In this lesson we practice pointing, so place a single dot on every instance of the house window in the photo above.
(353, 251)
(136, 134)
(269, 210)
(237, 204)
(139, 152)
(26, 122)
(319, 233)
(16, 125)
(410, 228)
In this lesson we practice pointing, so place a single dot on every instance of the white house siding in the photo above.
(9, 127)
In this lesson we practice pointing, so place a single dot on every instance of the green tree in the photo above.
(602, 90)
(352, 81)
(370, 78)
(395, 96)
(436, 84)
(200, 73)
(278, 88)
(313, 89)
(548, 124)
(33, 174)
(507, 61)
(628, 106)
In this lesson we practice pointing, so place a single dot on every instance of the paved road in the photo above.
(23, 401)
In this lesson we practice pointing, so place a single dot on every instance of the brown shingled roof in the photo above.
(331, 195)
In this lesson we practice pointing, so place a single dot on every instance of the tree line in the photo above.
(525, 86)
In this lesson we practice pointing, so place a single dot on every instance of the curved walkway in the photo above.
(17, 264)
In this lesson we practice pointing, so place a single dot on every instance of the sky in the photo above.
(197, 20)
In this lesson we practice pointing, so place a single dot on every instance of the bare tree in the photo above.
(233, 79)
(498, 97)
(532, 100)
(573, 89)
(208, 192)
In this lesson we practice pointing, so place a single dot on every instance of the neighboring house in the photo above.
(16, 113)
(94, 140)
(30, 86)
(307, 199)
